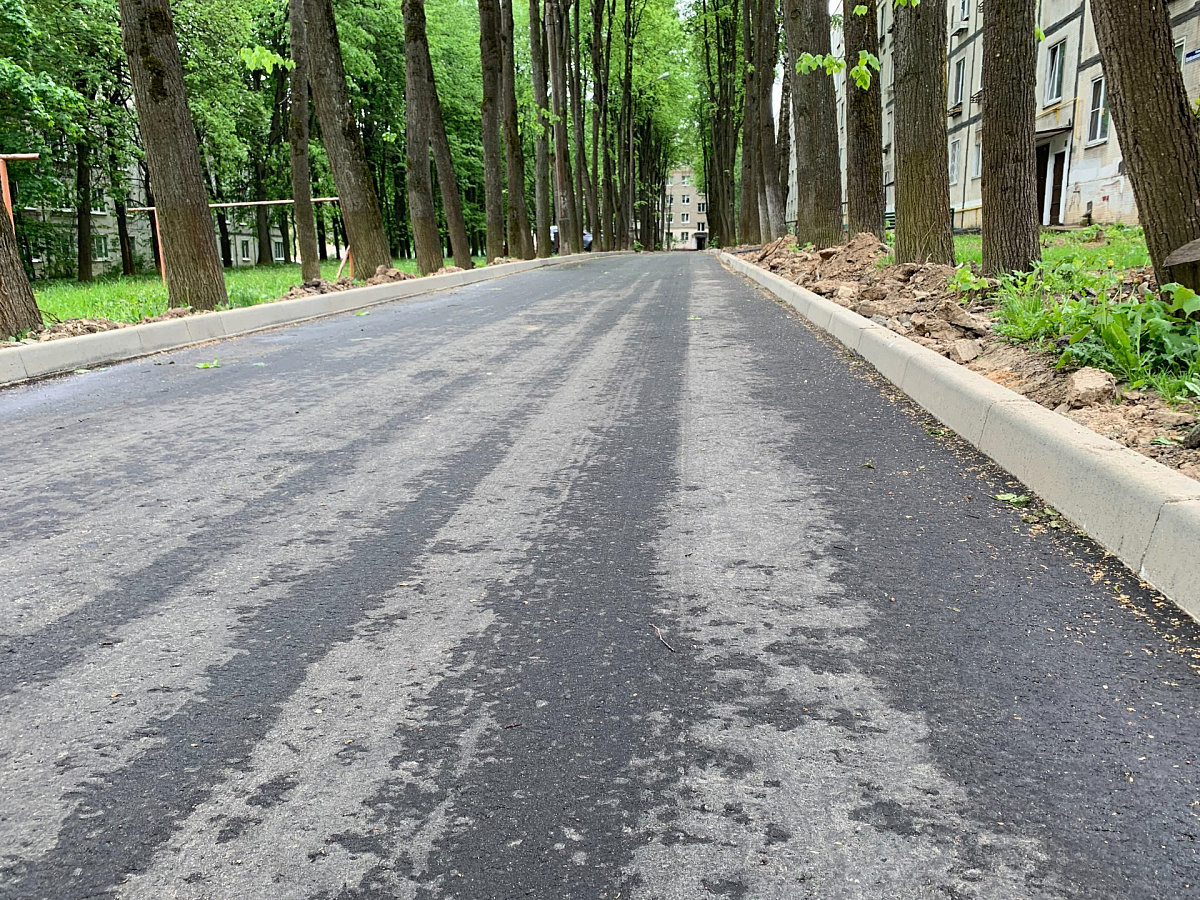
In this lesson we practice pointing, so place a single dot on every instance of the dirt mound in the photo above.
(75, 328)
(917, 301)
(385, 275)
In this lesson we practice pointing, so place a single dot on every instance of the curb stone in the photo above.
(1142, 512)
(26, 362)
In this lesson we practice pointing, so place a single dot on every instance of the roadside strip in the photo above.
(1145, 514)
(37, 360)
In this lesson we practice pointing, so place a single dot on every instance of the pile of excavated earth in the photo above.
(918, 302)
(77, 327)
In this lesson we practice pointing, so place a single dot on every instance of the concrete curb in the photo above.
(28, 361)
(1142, 512)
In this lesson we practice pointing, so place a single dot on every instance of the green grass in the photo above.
(143, 296)
(1124, 247)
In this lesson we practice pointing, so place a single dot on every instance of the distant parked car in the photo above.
(587, 239)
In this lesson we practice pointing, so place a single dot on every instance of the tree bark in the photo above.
(493, 174)
(767, 48)
(419, 181)
(193, 268)
(520, 240)
(1009, 155)
(784, 140)
(262, 214)
(568, 213)
(923, 228)
(749, 223)
(18, 309)
(585, 198)
(537, 48)
(83, 212)
(1158, 132)
(302, 205)
(866, 198)
(343, 141)
(456, 225)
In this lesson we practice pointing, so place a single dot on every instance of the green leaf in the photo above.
(1018, 500)
(215, 364)
(362, 312)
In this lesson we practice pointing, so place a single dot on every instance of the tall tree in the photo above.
(18, 309)
(193, 268)
(814, 109)
(1157, 129)
(306, 226)
(568, 212)
(749, 223)
(1009, 141)
(866, 199)
(452, 207)
(426, 238)
(767, 47)
(491, 58)
(721, 115)
(923, 228)
(520, 240)
(343, 141)
(541, 168)
(83, 210)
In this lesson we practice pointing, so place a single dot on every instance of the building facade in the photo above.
(686, 222)
(1081, 175)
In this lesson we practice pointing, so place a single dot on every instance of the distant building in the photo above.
(687, 212)
(1081, 174)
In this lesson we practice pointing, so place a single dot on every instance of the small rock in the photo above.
(881, 320)
(956, 315)
(846, 295)
(868, 309)
(381, 270)
(1089, 387)
(828, 252)
(449, 270)
(1171, 417)
(963, 351)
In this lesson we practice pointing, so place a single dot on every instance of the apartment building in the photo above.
(1081, 175)
(687, 212)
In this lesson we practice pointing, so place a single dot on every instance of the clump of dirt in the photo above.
(385, 275)
(177, 313)
(918, 302)
(74, 328)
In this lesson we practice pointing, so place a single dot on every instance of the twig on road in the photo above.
(658, 631)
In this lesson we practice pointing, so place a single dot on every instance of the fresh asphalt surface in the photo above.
(608, 580)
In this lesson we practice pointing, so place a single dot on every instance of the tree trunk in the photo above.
(767, 48)
(814, 108)
(585, 200)
(541, 197)
(123, 237)
(923, 228)
(343, 142)
(262, 214)
(83, 212)
(18, 309)
(520, 241)
(1157, 130)
(193, 268)
(285, 237)
(568, 213)
(749, 225)
(419, 181)
(493, 174)
(302, 205)
(866, 199)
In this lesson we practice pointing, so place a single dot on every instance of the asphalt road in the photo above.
(608, 580)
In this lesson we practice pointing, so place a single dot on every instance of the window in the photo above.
(1179, 54)
(977, 165)
(955, 149)
(670, 218)
(699, 228)
(278, 249)
(964, 10)
(245, 251)
(701, 207)
(1098, 117)
(686, 180)
(683, 235)
(685, 217)
(670, 179)
(1054, 72)
(100, 247)
(670, 199)
(960, 83)
(685, 199)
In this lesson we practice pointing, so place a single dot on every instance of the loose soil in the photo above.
(916, 301)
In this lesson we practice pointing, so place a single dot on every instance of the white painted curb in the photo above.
(1145, 514)
(27, 361)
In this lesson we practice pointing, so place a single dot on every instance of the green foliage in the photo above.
(966, 282)
(1145, 340)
